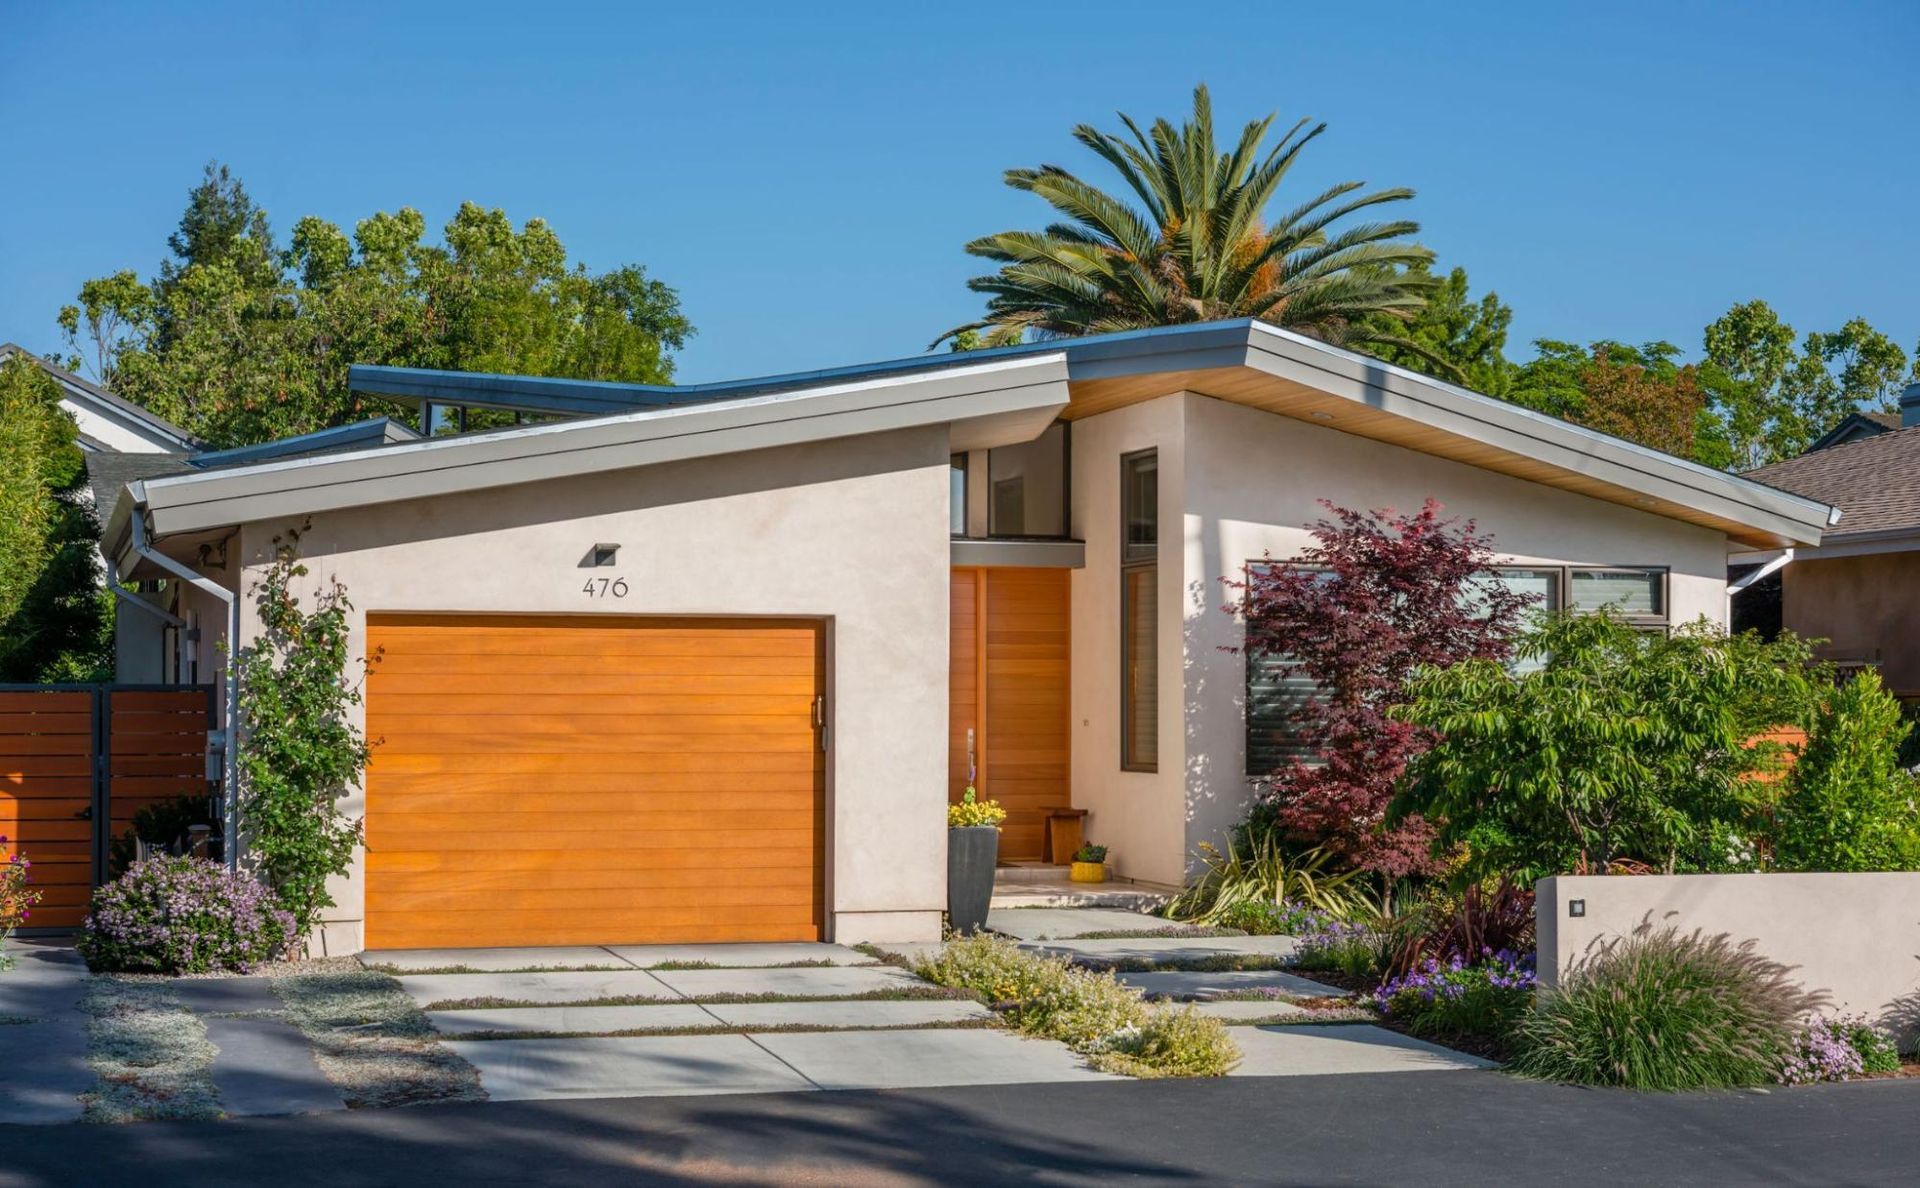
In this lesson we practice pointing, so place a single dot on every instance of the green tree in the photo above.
(55, 620)
(1620, 744)
(1641, 393)
(1773, 402)
(239, 341)
(1200, 245)
(1456, 337)
(1848, 804)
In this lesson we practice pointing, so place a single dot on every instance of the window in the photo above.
(1028, 485)
(957, 494)
(1543, 584)
(1276, 691)
(1636, 594)
(1139, 612)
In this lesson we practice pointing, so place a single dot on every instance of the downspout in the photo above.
(1773, 566)
(229, 793)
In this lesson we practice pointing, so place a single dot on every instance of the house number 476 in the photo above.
(605, 588)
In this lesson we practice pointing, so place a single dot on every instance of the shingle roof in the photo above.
(109, 470)
(1874, 481)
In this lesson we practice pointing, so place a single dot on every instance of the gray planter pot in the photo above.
(971, 854)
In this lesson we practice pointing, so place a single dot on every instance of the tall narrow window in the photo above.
(957, 494)
(1139, 611)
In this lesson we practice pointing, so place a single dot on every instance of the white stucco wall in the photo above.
(1238, 483)
(1853, 937)
(854, 532)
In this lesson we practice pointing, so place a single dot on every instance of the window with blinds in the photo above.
(1276, 692)
(1140, 612)
(1637, 594)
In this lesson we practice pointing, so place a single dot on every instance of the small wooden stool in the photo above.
(1064, 833)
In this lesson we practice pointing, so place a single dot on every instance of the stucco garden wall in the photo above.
(1854, 936)
(854, 532)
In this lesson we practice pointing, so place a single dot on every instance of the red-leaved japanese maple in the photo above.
(1376, 596)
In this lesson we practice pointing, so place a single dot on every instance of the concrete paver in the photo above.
(551, 986)
(264, 1066)
(1301, 1049)
(915, 1059)
(591, 1020)
(47, 979)
(749, 1016)
(1050, 923)
(1170, 949)
(495, 960)
(226, 996)
(829, 982)
(43, 1067)
(648, 956)
(649, 1066)
(1182, 984)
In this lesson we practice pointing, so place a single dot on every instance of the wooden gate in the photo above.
(77, 762)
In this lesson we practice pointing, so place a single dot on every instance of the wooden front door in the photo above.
(1008, 684)
(553, 781)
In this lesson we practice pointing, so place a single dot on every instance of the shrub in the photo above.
(1173, 1042)
(16, 898)
(1459, 999)
(971, 811)
(182, 915)
(1848, 805)
(163, 823)
(1257, 868)
(1092, 1013)
(1665, 1010)
(1257, 918)
(1480, 922)
(1090, 853)
(1617, 744)
(1838, 1049)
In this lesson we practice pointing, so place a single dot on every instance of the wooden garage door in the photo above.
(550, 781)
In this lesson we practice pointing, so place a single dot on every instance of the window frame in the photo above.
(1131, 566)
(964, 464)
(1645, 622)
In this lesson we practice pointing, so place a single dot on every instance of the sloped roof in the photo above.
(88, 393)
(1874, 481)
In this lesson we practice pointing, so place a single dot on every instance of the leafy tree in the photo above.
(1457, 338)
(55, 621)
(1200, 244)
(1848, 804)
(1773, 402)
(1376, 597)
(1637, 392)
(1621, 744)
(298, 754)
(240, 341)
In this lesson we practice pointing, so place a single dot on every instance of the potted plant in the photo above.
(1089, 864)
(973, 847)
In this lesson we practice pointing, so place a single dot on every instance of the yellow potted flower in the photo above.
(973, 848)
(1089, 864)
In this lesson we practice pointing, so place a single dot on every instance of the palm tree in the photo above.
(1202, 248)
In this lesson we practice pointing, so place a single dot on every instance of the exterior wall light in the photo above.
(1576, 908)
(603, 555)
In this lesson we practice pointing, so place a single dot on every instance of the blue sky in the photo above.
(805, 175)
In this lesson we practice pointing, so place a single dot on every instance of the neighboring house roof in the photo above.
(991, 397)
(1857, 426)
(359, 435)
(109, 472)
(140, 430)
(1874, 481)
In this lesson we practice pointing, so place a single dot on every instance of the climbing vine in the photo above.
(299, 754)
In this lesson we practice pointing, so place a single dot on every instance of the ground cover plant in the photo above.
(1091, 1012)
(1458, 999)
(1666, 1010)
(1838, 1048)
(371, 1040)
(151, 1055)
(174, 915)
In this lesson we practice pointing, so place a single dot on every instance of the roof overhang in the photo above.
(986, 404)
(1264, 367)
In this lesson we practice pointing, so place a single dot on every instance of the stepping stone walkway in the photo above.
(43, 1062)
(551, 986)
(1169, 950)
(596, 957)
(264, 1066)
(586, 1020)
(226, 996)
(1034, 924)
(1188, 986)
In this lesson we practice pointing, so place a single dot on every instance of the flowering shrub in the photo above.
(1172, 1042)
(1327, 942)
(990, 966)
(1457, 999)
(1838, 1049)
(16, 900)
(182, 915)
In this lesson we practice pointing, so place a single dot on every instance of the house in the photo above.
(706, 663)
(108, 423)
(1856, 588)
